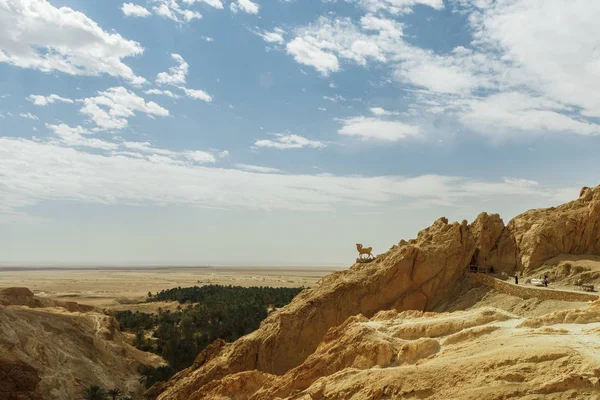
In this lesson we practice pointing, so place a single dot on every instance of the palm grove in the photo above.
(208, 313)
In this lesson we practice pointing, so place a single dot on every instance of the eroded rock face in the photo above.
(18, 381)
(495, 244)
(413, 276)
(20, 296)
(492, 356)
(418, 274)
(571, 228)
(51, 353)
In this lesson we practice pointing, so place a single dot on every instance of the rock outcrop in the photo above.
(478, 354)
(416, 275)
(18, 381)
(19, 296)
(53, 353)
(420, 274)
(571, 228)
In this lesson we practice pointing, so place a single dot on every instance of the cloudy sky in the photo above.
(260, 132)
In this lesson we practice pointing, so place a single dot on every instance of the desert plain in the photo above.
(123, 287)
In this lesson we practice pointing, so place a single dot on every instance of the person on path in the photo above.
(546, 280)
(516, 279)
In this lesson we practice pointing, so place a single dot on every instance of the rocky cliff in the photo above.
(19, 296)
(418, 274)
(53, 350)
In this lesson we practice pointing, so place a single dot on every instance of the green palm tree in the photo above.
(95, 392)
(114, 393)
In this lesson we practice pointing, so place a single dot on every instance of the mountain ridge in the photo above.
(420, 274)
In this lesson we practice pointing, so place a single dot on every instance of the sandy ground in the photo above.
(114, 287)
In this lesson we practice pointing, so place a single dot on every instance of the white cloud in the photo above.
(35, 34)
(81, 137)
(306, 51)
(170, 9)
(223, 154)
(164, 11)
(134, 10)
(200, 156)
(213, 3)
(45, 100)
(562, 64)
(327, 41)
(189, 15)
(74, 136)
(378, 111)
(29, 116)
(111, 108)
(168, 156)
(335, 98)
(538, 79)
(517, 54)
(197, 94)
(246, 6)
(398, 6)
(64, 130)
(274, 37)
(289, 141)
(376, 129)
(439, 74)
(34, 172)
(508, 114)
(258, 168)
(159, 92)
(176, 75)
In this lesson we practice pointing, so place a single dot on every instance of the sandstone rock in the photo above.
(18, 381)
(494, 242)
(22, 296)
(586, 316)
(469, 334)
(19, 296)
(73, 306)
(16, 292)
(51, 353)
(414, 351)
(489, 361)
(418, 274)
(210, 352)
(238, 386)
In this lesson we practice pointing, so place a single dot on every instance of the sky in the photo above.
(282, 132)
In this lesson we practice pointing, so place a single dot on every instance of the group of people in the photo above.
(544, 280)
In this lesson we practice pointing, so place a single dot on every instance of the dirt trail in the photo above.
(526, 291)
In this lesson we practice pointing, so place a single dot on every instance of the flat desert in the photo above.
(117, 287)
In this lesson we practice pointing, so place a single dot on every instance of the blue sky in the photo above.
(283, 132)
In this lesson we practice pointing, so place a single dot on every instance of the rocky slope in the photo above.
(345, 339)
(52, 350)
(19, 296)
